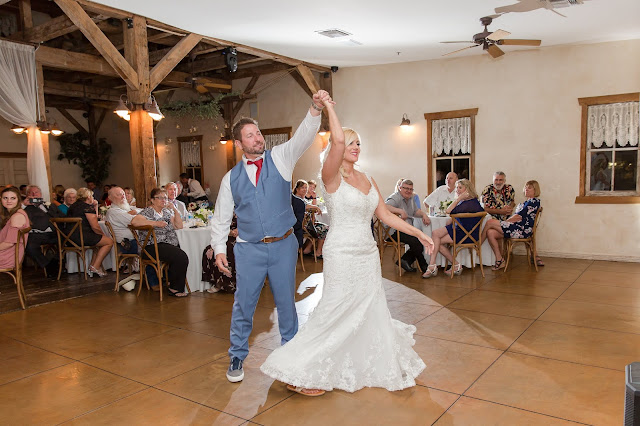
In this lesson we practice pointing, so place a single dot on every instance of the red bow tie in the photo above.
(258, 164)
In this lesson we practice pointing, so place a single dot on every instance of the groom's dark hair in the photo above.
(237, 127)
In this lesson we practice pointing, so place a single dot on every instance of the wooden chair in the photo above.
(301, 259)
(385, 240)
(530, 243)
(16, 271)
(309, 217)
(468, 241)
(152, 257)
(65, 227)
(120, 257)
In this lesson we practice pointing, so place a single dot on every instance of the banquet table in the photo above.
(488, 258)
(107, 263)
(193, 241)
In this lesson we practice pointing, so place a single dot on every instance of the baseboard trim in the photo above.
(588, 256)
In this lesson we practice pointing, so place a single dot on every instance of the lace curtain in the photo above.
(451, 136)
(190, 154)
(274, 140)
(19, 104)
(611, 123)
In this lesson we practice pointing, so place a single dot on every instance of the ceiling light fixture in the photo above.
(405, 121)
(18, 130)
(55, 129)
(152, 109)
(44, 127)
(223, 139)
(122, 109)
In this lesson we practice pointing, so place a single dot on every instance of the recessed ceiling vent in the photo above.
(562, 3)
(334, 33)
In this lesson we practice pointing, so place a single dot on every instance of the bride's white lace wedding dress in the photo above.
(350, 340)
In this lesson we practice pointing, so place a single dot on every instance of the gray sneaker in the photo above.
(235, 373)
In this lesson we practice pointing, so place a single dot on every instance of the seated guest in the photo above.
(172, 193)
(520, 225)
(12, 220)
(85, 208)
(58, 192)
(41, 230)
(299, 207)
(69, 197)
(191, 190)
(105, 195)
(210, 272)
(311, 197)
(498, 198)
(466, 201)
(168, 246)
(316, 229)
(128, 193)
(401, 203)
(442, 193)
(120, 216)
(23, 191)
(97, 192)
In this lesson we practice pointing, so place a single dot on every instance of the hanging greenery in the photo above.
(94, 160)
(202, 108)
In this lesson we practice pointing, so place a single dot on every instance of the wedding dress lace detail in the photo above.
(350, 340)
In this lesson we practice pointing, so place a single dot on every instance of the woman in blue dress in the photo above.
(466, 201)
(520, 225)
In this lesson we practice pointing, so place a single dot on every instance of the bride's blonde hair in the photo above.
(350, 135)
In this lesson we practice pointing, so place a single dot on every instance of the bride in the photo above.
(350, 340)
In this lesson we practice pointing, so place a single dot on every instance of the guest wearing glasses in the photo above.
(401, 203)
(168, 247)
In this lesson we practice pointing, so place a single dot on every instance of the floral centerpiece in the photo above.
(201, 212)
(444, 205)
(102, 210)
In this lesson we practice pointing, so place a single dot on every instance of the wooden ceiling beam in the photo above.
(74, 61)
(247, 91)
(72, 120)
(81, 91)
(259, 70)
(156, 55)
(137, 53)
(53, 28)
(303, 84)
(26, 19)
(79, 17)
(171, 59)
(104, 10)
(309, 78)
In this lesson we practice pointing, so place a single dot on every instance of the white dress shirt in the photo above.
(440, 194)
(285, 157)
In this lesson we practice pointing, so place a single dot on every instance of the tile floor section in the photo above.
(515, 348)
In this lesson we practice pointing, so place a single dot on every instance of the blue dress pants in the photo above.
(254, 263)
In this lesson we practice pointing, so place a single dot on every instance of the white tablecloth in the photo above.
(107, 263)
(193, 242)
(488, 258)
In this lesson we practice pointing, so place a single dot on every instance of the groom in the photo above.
(259, 189)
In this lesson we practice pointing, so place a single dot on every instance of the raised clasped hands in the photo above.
(322, 99)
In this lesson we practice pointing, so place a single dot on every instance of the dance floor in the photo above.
(513, 348)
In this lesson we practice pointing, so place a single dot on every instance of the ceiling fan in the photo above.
(491, 40)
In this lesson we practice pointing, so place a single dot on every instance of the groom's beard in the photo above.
(124, 206)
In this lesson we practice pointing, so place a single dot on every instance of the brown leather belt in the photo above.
(268, 240)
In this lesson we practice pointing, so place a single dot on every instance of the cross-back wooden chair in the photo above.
(385, 240)
(65, 227)
(309, 217)
(16, 271)
(120, 257)
(152, 257)
(467, 241)
(530, 243)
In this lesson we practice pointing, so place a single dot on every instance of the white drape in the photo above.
(19, 104)
(609, 123)
(190, 154)
(451, 136)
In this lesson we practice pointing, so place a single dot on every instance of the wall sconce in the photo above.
(122, 110)
(152, 109)
(405, 121)
(223, 139)
(18, 130)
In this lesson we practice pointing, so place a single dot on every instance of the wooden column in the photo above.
(43, 117)
(142, 154)
(141, 125)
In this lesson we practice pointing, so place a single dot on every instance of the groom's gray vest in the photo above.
(263, 210)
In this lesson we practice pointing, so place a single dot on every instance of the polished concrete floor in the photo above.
(515, 348)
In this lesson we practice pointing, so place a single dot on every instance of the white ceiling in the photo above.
(414, 28)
